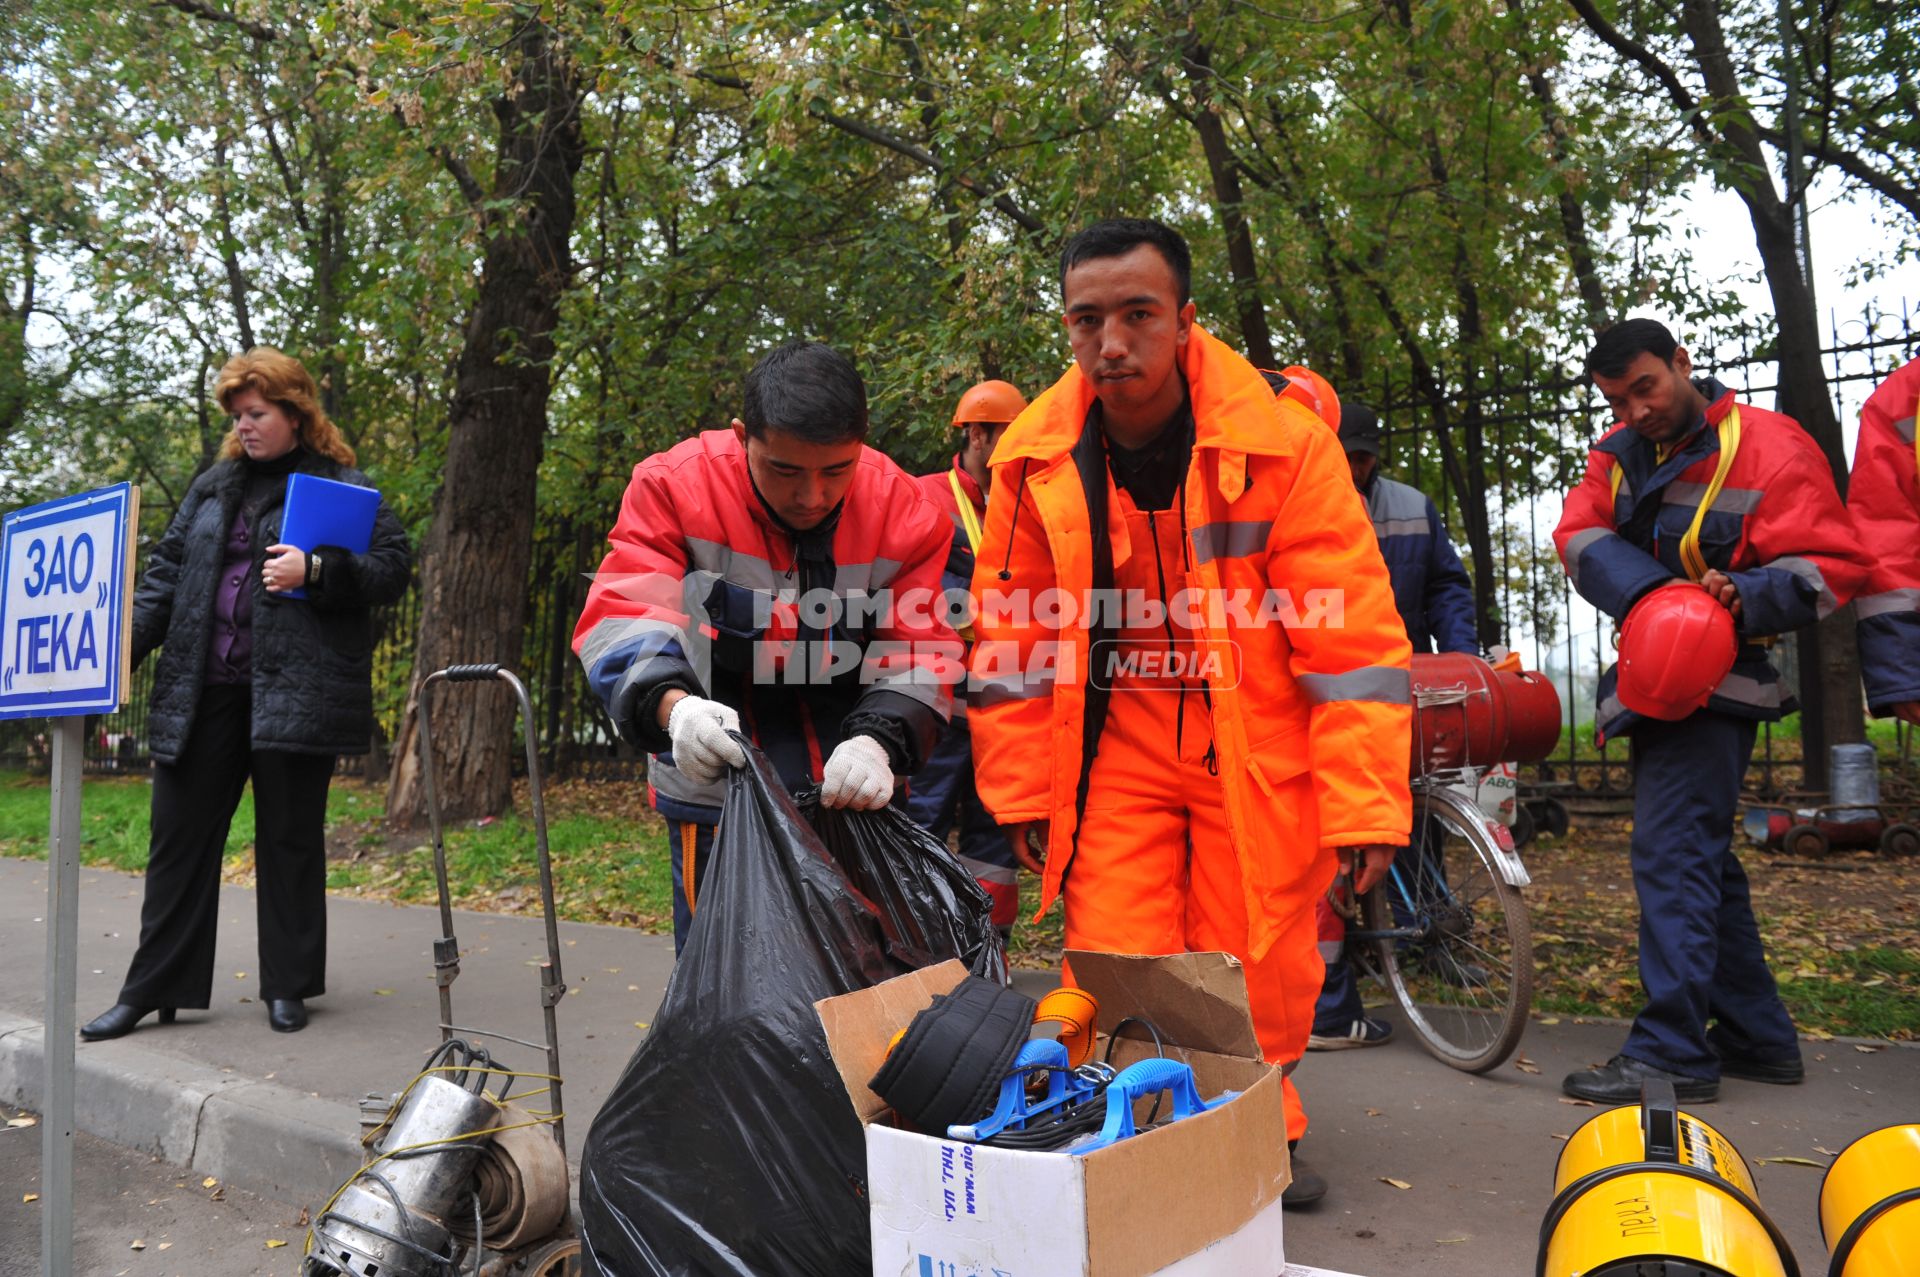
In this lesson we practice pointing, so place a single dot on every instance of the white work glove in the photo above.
(701, 747)
(859, 775)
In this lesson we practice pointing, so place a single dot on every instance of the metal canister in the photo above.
(1649, 1191)
(1870, 1205)
(1468, 714)
(1855, 770)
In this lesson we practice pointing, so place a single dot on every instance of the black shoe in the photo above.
(286, 1015)
(1307, 1187)
(1618, 1082)
(120, 1021)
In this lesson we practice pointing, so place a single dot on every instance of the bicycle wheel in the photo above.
(1462, 969)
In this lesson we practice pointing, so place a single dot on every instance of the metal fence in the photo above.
(1533, 421)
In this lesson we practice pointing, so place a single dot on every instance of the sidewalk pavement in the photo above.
(277, 1113)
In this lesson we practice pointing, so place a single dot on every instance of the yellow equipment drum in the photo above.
(1870, 1205)
(1648, 1191)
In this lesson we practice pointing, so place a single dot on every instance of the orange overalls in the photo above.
(1209, 820)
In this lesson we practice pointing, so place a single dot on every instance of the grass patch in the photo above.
(114, 818)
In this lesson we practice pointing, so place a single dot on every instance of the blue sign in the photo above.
(65, 578)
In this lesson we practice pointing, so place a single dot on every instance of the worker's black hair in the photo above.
(809, 390)
(1621, 344)
(1121, 235)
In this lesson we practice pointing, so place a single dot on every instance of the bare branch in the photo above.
(1649, 62)
(206, 12)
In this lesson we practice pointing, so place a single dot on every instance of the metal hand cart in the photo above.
(466, 1179)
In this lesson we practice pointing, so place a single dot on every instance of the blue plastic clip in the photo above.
(1014, 1109)
(1139, 1080)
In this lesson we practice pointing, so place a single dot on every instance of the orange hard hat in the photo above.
(989, 403)
(1309, 388)
(1675, 647)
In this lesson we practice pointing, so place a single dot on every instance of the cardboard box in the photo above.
(1197, 1198)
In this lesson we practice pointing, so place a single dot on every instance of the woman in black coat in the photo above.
(251, 685)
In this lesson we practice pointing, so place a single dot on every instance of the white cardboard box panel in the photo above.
(1199, 1198)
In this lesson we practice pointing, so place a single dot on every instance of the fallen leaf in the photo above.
(1373, 1112)
(1525, 1065)
(208, 1182)
(1552, 1019)
(639, 1024)
(1397, 1183)
(383, 993)
(1579, 1104)
(137, 1245)
(633, 988)
(1864, 1049)
(1450, 1241)
(1558, 1136)
(303, 1221)
(1875, 983)
(239, 975)
(30, 1197)
(23, 1121)
(1789, 1161)
(274, 1243)
(166, 1245)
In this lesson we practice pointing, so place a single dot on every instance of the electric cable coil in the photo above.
(1870, 1205)
(1648, 1191)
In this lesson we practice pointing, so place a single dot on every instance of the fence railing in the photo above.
(1534, 422)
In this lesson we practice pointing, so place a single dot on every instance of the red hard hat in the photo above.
(1675, 647)
(1314, 391)
(989, 403)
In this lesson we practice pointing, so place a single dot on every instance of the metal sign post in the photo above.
(66, 578)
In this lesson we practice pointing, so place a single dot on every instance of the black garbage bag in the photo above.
(728, 1146)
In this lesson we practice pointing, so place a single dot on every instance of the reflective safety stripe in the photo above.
(997, 689)
(1906, 599)
(1401, 528)
(920, 683)
(1578, 544)
(1730, 500)
(1384, 683)
(1230, 538)
(1812, 575)
(732, 565)
(1747, 690)
(1904, 428)
(615, 631)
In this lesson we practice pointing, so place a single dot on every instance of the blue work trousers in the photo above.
(1700, 954)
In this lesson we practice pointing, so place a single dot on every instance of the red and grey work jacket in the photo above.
(1773, 522)
(1884, 498)
(813, 637)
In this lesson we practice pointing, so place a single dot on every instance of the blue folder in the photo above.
(327, 512)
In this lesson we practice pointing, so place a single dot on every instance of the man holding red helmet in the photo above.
(1705, 526)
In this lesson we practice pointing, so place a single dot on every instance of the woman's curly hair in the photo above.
(284, 381)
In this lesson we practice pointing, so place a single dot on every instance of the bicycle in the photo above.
(1447, 931)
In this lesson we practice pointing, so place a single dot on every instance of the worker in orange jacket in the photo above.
(1883, 497)
(1189, 686)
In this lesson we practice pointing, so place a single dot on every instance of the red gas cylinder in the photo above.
(1468, 714)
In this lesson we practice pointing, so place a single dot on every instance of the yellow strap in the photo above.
(1690, 556)
(969, 521)
(1729, 431)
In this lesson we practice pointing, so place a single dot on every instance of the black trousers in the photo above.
(193, 805)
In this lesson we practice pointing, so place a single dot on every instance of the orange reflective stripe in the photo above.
(689, 844)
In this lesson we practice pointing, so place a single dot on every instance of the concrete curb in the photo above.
(270, 1138)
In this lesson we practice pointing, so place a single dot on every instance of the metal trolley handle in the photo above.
(446, 950)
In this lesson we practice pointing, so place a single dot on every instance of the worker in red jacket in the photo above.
(1884, 499)
(1692, 485)
(943, 792)
(779, 580)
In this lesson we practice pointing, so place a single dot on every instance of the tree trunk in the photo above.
(1228, 200)
(473, 592)
(1829, 667)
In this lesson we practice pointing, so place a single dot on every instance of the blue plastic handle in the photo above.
(1139, 1080)
(1013, 1110)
